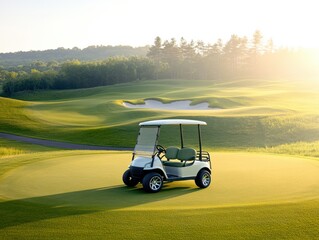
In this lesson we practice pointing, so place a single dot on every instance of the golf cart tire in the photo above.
(152, 182)
(203, 179)
(128, 180)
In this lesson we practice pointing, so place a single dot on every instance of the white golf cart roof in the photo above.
(172, 122)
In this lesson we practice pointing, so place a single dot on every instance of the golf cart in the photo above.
(152, 163)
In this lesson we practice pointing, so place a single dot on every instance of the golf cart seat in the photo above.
(186, 157)
(171, 152)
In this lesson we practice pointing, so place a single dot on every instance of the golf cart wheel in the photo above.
(152, 182)
(203, 179)
(128, 180)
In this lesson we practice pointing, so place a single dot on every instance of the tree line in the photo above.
(239, 57)
(76, 74)
(91, 53)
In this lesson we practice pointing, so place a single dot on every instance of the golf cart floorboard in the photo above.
(172, 178)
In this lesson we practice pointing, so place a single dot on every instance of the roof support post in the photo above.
(156, 142)
(181, 133)
(200, 143)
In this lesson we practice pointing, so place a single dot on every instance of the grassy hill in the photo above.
(254, 113)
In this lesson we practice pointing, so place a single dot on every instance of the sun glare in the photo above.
(315, 62)
(288, 23)
(137, 23)
(291, 23)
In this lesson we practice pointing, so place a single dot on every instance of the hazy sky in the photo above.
(47, 24)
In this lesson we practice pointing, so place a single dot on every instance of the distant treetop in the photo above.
(90, 53)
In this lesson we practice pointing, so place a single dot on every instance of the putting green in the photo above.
(94, 181)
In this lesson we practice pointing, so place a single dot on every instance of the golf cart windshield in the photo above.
(146, 141)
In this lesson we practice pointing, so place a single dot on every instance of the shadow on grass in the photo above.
(16, 212)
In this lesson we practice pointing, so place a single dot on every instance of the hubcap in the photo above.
(206, 179)
(155, 183)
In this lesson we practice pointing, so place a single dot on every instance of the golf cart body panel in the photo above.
(141, 165)
(187, 171)
(151, 166)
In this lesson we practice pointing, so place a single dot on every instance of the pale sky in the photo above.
(48, 24)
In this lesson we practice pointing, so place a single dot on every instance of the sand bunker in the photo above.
(177, 105)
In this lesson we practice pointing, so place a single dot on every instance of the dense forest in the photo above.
(76, 74)
(239, 57)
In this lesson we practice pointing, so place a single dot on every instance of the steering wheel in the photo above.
(160, 149)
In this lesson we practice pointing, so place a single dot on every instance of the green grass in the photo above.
(255, 113)
(308, 149)
(288, 221)
(10, 147)
(92, 202)
(47, 194)
(5, 151)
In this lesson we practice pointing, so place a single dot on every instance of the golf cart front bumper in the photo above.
(136, 172)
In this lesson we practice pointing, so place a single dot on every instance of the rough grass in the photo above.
(6, 151)
(10, 147)
(308, 149)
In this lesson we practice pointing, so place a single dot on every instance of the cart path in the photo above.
(58, 144)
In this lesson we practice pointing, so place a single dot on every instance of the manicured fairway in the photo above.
(95, 181)
(80, 195)
(253, 112)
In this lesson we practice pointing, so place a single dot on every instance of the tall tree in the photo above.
(156, 53)
(235, 53)
(213, 60)
(257, 47)
(172, 56)
(256, 51)
(188, 59)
